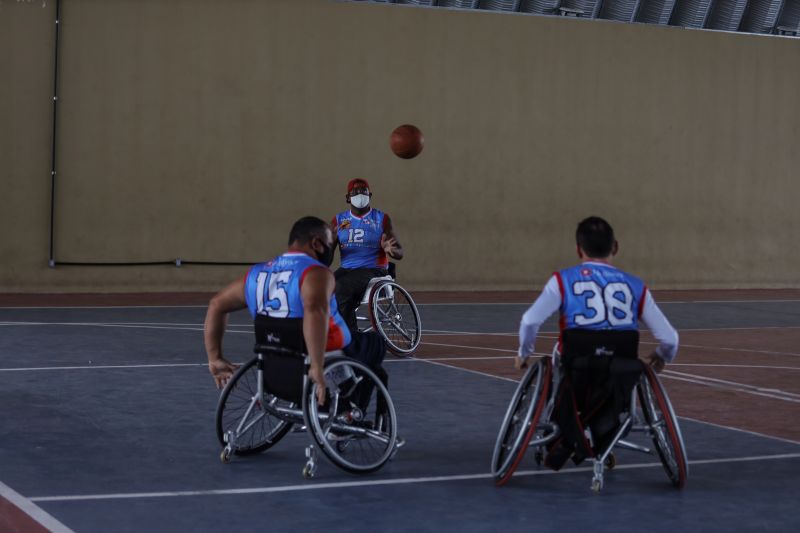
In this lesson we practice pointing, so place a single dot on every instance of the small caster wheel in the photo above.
(597, 486)
(611, 461)
(225, 455)
(308, 470)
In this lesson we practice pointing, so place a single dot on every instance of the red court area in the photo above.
(743, 377)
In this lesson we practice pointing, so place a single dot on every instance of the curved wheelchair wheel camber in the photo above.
(521, 420)
(394, 315)
(664, 428)
(357, 428)
(242, 412)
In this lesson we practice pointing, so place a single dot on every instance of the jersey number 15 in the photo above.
(277, 294)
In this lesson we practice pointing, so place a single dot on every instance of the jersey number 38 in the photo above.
(614, 303)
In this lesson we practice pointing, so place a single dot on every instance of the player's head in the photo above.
(595, 239)
(314, 235)
(358, 193)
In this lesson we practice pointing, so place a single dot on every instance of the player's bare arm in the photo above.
(316, 292)
(389, 242)
(229, 299)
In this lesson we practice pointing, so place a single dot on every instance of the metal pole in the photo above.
(52, 261)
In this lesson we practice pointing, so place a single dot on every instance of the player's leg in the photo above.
(370, 349)
(350, 287)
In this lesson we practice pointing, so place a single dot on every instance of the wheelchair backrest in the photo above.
(282, 332)
(599, 343)
(601, 357)
(600, 369)
(284, 367)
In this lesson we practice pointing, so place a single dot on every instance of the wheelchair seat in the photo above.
(598, 372)
(356, 427)
(603, 393)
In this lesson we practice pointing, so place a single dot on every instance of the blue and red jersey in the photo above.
(360, 239)
(273, 289)
(599, 296)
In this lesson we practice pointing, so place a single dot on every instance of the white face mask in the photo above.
(359, 201)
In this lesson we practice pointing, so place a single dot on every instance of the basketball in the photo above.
(406, 141)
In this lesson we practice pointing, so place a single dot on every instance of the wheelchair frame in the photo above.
(387, 319)
(334, 435)
(521, 430)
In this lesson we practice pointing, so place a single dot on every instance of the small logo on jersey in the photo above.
(366, 221)
(586, 272)
(345, 224)
(273, 339)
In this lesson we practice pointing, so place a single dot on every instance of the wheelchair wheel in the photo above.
(521, 420)
(664, 428)
(357, 427)
(255, 428)
(394, 315)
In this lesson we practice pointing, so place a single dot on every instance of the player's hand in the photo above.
(318, 376)
(221, 370)
(656, 362)
(520, 363)
(389, 244)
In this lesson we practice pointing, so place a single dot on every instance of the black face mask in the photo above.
(326, 257)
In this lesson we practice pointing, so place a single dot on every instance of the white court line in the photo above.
(101, 325)
(740, 430)
(384, 482)
(554, 335)
(713, 365)
(474, 304)
(32, 510)
(99, 367)
(20, 307)
(734, 383)
(468, 347)
(392, 360)
(433, 362)
(731, 388)
(514, 333)
(544, 335)
(154, 365)
(699, 380)
(660, 302)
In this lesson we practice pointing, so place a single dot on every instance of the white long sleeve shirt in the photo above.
(550, 300)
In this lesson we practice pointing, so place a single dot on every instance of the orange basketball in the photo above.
(406, 141)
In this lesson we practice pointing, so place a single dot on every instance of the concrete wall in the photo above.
(201, 129)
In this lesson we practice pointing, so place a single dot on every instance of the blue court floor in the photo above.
(108, 425)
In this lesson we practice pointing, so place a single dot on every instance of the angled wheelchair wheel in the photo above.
(394, 315)
(522, 418)
(663, 423)
(250, 421)
(357, 427)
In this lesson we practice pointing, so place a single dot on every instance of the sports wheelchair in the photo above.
(392, 313)
(271, 394)
(603, 393)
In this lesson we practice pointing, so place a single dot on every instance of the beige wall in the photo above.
(202, 129)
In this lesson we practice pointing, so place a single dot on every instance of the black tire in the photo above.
(233, 404)
(521, 420)
(395, 317)
(361, 436)
(666, 433)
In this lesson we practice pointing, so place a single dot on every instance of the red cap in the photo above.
(355, 182)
